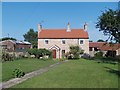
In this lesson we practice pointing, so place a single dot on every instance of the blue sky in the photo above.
(19, 17)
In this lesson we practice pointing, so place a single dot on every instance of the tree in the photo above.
(7, 38)
(31, 36)
(109, 24)
(90, 41)
(74, 53)
(100, 40)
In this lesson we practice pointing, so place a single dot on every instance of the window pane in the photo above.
(95, 49)
(90, 48)
(81, 41)
(46, 41)
(63, 52)
(63, 41)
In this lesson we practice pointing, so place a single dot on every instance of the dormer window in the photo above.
(63, 41)
(46, 41)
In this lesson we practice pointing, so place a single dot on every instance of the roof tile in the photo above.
(62, 33)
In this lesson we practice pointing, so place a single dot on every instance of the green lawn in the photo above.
(0, 72)
(75, 74)
(26, 65)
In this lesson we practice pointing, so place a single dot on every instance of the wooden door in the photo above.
(54, 53)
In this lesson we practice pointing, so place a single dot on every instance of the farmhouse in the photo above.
(59, 40)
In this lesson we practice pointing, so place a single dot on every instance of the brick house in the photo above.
(14, 46)
(59, 40)
(106, 48)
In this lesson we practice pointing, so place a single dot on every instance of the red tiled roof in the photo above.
(104, 46)
(96, 44)
(62, 33)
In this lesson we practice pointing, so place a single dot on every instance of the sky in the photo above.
(19, 17)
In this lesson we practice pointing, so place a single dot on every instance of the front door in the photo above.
(54, 53)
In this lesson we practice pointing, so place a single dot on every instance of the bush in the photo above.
(17, 73)
(8, 57)
(74, 53)
(68, 55)
(118, 58)
(85, 56)
(99, 54)
(39, 52)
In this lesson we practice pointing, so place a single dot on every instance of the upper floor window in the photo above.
(4, 46)
(81, 41)
(46, 41)
(63, 41)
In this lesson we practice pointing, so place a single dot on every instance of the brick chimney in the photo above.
(68, 27)
(85, 26)
(39, 28)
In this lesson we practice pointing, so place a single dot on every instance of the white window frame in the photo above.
(80, 41)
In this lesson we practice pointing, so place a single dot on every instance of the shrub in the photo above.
(68, 55)
(39, 52)
(85, 56)
(74, 53)
(8, 57)
(118, 58)
(17, 73)
(99, 54)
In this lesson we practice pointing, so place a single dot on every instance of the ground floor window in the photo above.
(63, 52)
(95, 49)
(90, 48)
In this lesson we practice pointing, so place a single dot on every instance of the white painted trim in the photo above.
(83, 41)
(55, 47)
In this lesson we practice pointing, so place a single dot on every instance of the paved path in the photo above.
(15, 81)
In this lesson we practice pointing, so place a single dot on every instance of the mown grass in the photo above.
(26, 65)
(0, 72)
(76, 74)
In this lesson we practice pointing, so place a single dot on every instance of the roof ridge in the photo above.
(62, 28)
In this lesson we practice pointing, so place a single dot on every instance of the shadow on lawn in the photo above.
(110, 70)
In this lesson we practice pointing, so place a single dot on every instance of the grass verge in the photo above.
(76, 74)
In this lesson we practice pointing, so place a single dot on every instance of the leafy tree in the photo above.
(90, 41)
(109, 24)
(74, 53)
(7, 38)
(99, 54)
(100, 40)
(31, 36)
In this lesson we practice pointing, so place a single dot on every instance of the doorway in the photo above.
(54, 53)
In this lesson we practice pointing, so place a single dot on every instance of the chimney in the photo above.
(68, 27)
(39, 27)
(85, 26)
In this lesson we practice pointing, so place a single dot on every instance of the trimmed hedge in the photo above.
(39, 52)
